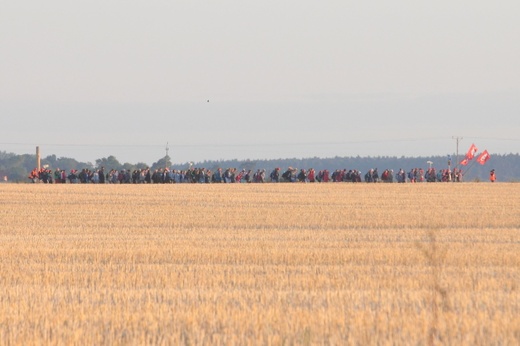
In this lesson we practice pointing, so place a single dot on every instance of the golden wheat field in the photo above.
(266, 264)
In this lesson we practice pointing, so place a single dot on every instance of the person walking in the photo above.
(492, 176)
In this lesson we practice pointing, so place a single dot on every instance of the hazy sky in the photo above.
(88, 79)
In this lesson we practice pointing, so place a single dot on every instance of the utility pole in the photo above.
(457, 139)
(167, 149)
(38, 159)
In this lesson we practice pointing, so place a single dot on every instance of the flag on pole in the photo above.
(484, 157)
(471, 152)
(464, 162)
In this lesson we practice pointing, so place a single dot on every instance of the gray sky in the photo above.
(283, 78)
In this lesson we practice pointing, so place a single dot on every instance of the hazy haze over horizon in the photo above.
(283, 79)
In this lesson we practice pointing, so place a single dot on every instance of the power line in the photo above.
(190, 145)
(86, 145)
(496, 139)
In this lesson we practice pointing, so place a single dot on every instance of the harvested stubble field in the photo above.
(265, 264)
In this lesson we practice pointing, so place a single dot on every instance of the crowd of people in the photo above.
(233, 175)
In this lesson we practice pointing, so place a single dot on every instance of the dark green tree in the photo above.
(165, 162)
(109, 163)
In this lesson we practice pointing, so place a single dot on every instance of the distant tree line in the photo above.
(17, 168)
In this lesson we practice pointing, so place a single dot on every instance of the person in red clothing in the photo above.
(492, 176)
(326, 176)
(34, 176)
(311, 175)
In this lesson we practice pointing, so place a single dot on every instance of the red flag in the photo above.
(464, 162)
(471, 152)
(482, 159)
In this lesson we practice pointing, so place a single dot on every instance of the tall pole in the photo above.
(457, 139)
(167, 149)
(38, 158)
